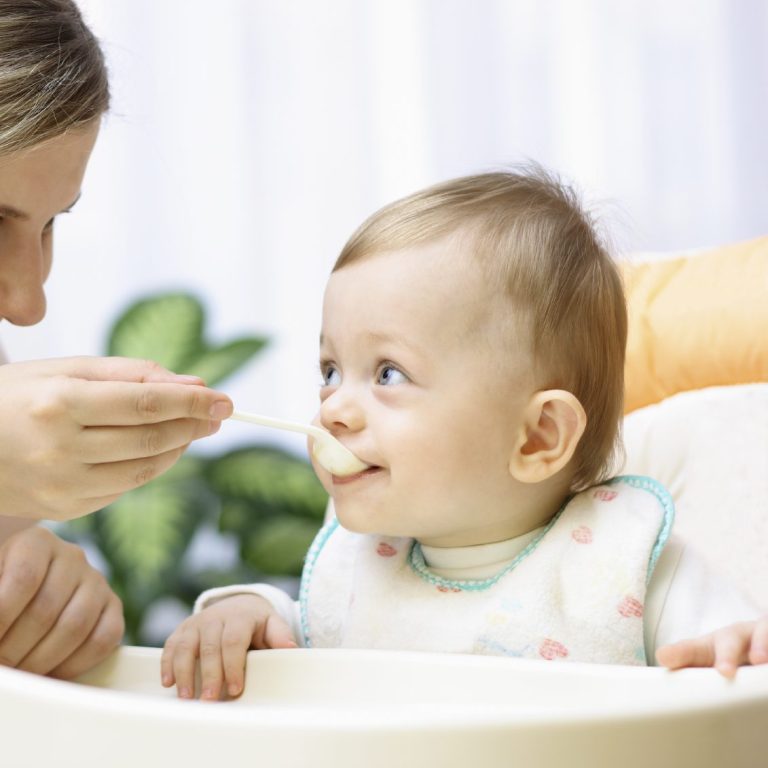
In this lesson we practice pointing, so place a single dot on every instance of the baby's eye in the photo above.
(388, 376)
(330, 376)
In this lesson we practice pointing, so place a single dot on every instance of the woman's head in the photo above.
(53, 91)
(52, 72)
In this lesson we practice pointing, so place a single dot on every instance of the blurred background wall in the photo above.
(248, 138)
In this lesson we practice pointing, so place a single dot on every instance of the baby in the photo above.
(472, 355)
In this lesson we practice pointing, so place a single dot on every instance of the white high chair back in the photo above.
(710, 449)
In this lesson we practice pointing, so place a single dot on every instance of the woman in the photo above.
(74, 433)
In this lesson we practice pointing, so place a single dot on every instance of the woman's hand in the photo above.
(76, 433)
(220, 636)
(58, 615)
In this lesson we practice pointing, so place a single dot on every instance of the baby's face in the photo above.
(424, 380)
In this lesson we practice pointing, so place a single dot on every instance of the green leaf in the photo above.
(214, 365)
(238, 515)
(271, 480)
(145, 532)
(279, 546)
(167, 329)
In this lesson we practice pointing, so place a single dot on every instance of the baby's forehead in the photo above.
(447, 266)
(443, 276)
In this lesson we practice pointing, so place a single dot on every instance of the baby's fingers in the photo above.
(179, 659)
(724, 650)
(698, 652)
(731, 649)
(277, 634)
(235, 642)
(758, 652)
(211, 672)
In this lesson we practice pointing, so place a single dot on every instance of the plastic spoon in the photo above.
(329, 452)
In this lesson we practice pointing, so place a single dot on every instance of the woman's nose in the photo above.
(22, 275)
(342, 411)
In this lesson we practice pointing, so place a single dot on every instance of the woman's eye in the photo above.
(331, 377)
(388, 376)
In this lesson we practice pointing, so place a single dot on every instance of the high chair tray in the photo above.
(364, 709)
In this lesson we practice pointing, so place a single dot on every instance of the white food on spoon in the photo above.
(328, 451)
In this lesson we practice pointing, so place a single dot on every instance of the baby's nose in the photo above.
(342, 411)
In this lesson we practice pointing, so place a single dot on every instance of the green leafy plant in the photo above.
(266, 498)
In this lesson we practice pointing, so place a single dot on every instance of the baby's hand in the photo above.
(725, 649)
(220, 636)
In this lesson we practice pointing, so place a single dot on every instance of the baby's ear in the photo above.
(553, 423)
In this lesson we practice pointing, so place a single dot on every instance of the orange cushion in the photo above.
(696, 321)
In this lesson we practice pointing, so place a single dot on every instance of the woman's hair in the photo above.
(52, 72)
(533, 239)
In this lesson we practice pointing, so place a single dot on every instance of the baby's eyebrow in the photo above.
(395, 338)
(381, 337)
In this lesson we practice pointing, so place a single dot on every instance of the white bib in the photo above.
(575, 592)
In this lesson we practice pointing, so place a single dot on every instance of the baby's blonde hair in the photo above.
(52, 72)
(534, 240)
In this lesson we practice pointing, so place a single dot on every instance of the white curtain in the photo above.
(248, 138)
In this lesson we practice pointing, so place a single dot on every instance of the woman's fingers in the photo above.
(40, 617)
(105, 483)
(121, 476)
(24, 562)
(103, 445)
(75, 620)
(61, 417)
(103, 639)
(65, 618)
(109, 369)
(125, 403)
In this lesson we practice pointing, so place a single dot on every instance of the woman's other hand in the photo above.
(58, 615)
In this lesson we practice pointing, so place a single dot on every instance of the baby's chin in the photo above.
(355, 523)
(355, 519)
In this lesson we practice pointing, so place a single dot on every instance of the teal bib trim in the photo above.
(306, 575)
(419, 565)
(668, 505)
